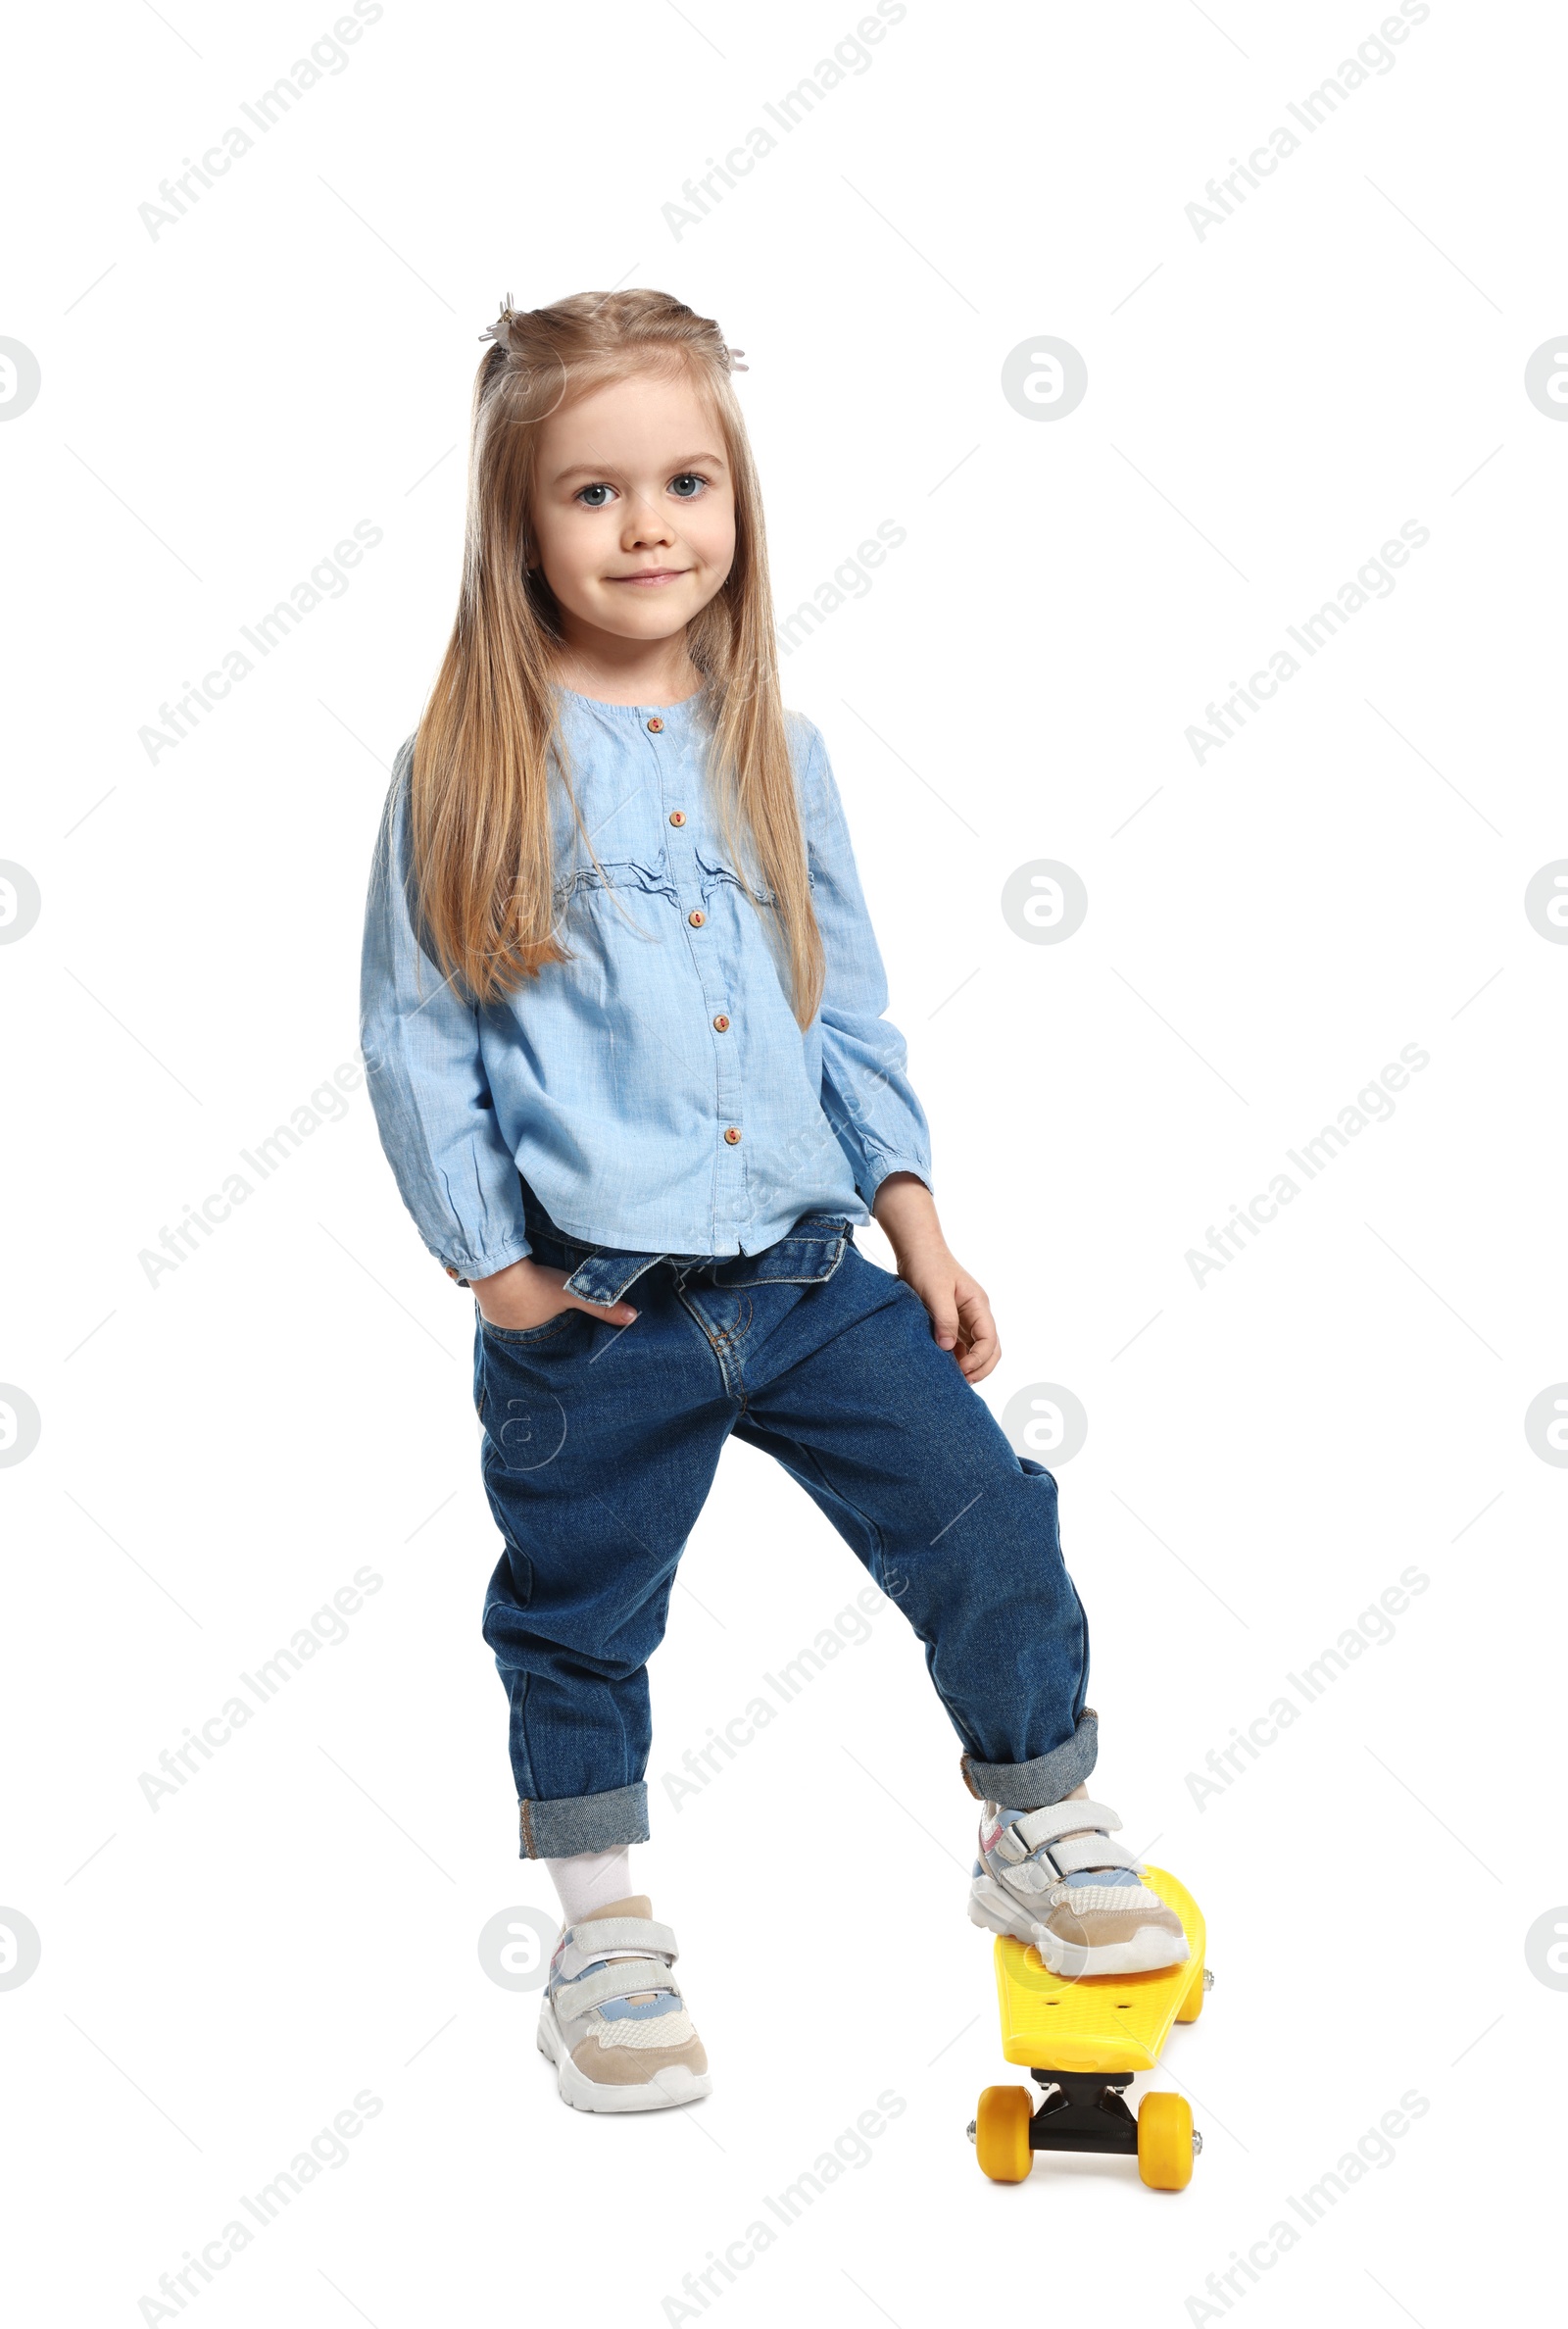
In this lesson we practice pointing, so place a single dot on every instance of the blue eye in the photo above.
(589, 490)
(687, 486)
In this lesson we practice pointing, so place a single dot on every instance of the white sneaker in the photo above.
(616, 2026)
(1054, 1878)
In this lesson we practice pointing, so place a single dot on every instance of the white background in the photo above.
(221, 1451)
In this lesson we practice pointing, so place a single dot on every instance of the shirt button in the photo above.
(697, 917)
(732, 1133)
(721, 1023)
(678, 816)
(655, 726)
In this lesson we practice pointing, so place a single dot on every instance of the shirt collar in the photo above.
(678, 718)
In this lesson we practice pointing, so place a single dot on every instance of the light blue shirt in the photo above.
(655, 1091)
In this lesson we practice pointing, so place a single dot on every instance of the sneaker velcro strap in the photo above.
(626, 1978)
(1070, 1853)
(1060, 1820)
(593, 1936)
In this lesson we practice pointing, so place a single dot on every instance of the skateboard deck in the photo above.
(1084, 2040)
(1113, 2021)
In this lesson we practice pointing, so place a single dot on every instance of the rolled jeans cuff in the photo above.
(1046, 1779)
(558, 1826)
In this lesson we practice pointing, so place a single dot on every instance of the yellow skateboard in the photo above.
(1084, 2042)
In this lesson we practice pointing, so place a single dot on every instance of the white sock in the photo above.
(588, 1881)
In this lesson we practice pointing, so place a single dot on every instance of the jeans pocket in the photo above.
(516, 1369)
(526, 1336)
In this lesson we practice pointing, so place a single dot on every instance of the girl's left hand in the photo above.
(960, 1308)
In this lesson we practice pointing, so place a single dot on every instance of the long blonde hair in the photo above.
(479, 786)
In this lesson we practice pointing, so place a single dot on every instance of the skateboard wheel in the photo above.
(1001, 2133)
(1192, 2005)
(1165, 2141)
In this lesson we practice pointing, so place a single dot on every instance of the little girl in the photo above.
(622, 1018)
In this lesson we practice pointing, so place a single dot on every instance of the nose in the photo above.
(647, 527)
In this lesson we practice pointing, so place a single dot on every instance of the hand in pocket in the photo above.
(529, 1294)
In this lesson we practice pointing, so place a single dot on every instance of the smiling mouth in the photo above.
(652, 574)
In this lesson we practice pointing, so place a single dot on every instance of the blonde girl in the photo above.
(624, 1019)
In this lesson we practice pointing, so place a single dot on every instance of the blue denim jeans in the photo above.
(600, 1444)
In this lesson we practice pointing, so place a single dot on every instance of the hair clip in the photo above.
(731, 354)
(500, 329)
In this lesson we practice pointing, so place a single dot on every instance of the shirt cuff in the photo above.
(878, 1168)
(466, 1267)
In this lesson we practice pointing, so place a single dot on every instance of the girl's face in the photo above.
(633, 508)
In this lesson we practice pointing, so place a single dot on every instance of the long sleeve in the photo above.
(426, 1080)
(866, 1092)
